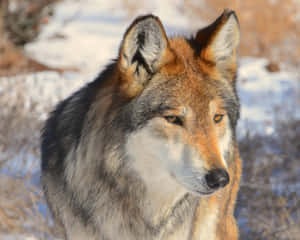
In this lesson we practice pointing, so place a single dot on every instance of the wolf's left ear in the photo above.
(144, 50)
(219, 41)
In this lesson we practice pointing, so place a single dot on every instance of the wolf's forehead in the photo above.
(182, 48)
(194, 84)
(194, 70)
(177, 93)
(186, 55)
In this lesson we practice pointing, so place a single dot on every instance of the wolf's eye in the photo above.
(218, 118)
(174, 120)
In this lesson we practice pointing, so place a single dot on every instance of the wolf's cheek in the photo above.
(225, 140)
(152, 158)
(154, 145)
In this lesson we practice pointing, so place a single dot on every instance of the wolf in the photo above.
(148, 149)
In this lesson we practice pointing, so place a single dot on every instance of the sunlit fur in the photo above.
(114, 166)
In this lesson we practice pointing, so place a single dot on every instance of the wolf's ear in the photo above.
(144, 50)
(219, 41)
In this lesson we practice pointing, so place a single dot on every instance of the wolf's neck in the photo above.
(162, 193)
(161, 198)
(167, 217)
(165, 206)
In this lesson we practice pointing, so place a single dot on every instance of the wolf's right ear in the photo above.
(144, 50)
(219, 41)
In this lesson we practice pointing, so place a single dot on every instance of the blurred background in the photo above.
(50, 48)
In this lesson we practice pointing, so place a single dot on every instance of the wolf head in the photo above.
(182, 105)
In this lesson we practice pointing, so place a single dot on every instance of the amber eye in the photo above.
(218, 118)
(174, 120)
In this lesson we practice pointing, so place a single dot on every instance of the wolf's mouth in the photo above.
(204, 193)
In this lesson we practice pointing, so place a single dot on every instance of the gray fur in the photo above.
(88, 182)
(145, 41)
(88, 177)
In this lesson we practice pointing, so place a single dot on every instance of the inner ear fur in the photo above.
(217, 43)
(144, 50)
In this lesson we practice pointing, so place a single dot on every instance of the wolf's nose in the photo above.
(217, 178)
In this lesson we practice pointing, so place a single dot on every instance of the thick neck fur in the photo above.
(126, 206)
(144, 212)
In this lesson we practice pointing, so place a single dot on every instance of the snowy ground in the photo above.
(92, 31)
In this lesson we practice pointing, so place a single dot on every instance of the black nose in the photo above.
(217, 178)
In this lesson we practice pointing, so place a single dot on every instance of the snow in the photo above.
(261, 92)
(92, 31)
(17, 237)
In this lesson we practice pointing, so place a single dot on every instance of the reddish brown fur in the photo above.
(225, 198)
(190, 79)
(204, 136)
(181, 59)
